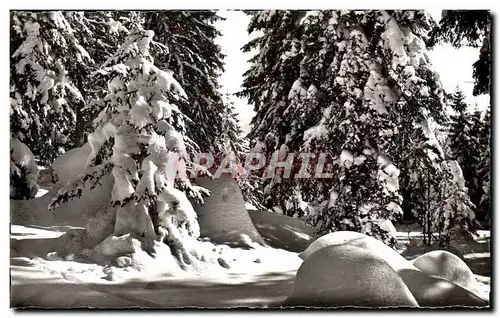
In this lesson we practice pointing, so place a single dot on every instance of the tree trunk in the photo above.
(406, 194)
(79, 139)
(428, 210)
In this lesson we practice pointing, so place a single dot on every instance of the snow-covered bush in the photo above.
(23, 171)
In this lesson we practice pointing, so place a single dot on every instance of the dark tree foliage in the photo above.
(355, 86)
(274, 70)
(196, 62)
(44, 94)
(468, 142)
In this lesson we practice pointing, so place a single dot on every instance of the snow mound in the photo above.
(68, 166)
(448, 266)
(393, 258)
(23, 171)
(344, 275)
(223, 216)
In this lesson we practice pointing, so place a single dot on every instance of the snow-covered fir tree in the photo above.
(456, 215)
(484, 205)
(231, 137)
(467, 143)
(235, 144)
(421, 109)
(270, 83)
(196, 62)
(45, 53)
(68, 46)
(358, 125)
(140, 139)
(440, 200)
(368, 77)
(100, 33)
(272, 72)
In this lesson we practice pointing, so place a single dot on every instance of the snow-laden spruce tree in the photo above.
(68, 46)
(43, 97)
(140, 139)
(439, 200)
(231, 140)
(483, 174)
(455, 213)
(467, 143)
(270, 84)
(233, 143)
(272, 72)
(421, 108)
(359, 124)
(196, 62)
(485, 205)
(367, 75)
(100, 33)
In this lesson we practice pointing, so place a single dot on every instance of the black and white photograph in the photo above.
(250, 158)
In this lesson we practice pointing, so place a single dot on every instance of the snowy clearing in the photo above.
(260, 277)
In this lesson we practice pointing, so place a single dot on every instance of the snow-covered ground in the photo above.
(249, 269)
(259, 277)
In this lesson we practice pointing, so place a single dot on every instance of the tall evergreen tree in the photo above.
(484, 207)
(273, 70)
(68, 46)
(100, 33)
(274, 80)
(231, 138)
(468, 142)
(45, 53)
(140, 139)
(196, 62)
(368, 77)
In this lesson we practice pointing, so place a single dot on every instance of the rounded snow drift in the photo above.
(428, 290)
(433, 291)
(348, 276)
(351, 238)
(72, 163)
(447, 266)
(223, 217)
